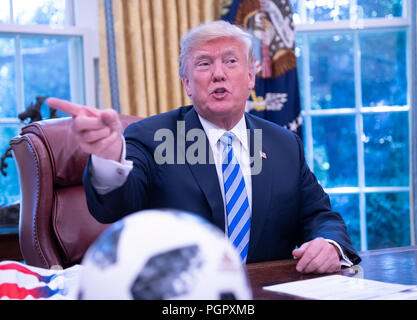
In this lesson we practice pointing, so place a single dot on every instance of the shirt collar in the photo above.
(214, 133)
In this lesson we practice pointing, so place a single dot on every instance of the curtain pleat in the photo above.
(147, 35)
(105, 98)
(146, 28)
(137, 84)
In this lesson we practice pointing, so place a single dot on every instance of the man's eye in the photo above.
(203, 64)
(232, 60)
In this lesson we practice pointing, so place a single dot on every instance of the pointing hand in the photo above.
(98, 132)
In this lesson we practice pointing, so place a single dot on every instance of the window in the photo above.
(43, 52)
(353, 58)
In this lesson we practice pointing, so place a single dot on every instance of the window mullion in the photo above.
(413, 118)
(77, 83)
(11, 17)
(307, 103)
(302, 12)
(359, 140)
(69, 13)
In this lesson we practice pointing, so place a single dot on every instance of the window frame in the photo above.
(81, 21)
(88, 39)
(408, 22)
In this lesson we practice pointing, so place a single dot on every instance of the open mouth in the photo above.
(219, 93)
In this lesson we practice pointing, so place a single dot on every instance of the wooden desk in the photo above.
(395, 265)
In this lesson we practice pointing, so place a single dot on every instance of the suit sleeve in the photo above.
(317, 219)
(133, 195)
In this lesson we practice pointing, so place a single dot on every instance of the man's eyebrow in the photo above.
(201, 55)
(204, 55)
(229, 52)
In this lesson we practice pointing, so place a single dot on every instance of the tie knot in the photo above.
(227, 138)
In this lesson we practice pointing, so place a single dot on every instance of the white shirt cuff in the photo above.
(108, 175)
(344, 261)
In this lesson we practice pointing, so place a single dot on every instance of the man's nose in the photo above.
(218, 71)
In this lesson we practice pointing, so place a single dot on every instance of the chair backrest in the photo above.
(55, 227)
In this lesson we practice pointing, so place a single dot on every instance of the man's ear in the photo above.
(186, 84)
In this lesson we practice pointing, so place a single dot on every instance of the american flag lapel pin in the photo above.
(262, 154)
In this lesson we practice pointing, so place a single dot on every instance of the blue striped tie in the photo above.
(237, 203)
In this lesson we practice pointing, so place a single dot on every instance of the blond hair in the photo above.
(210, 31)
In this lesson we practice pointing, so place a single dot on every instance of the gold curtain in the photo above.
(147, 38)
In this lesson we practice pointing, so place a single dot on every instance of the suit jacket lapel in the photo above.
(261, 184)
(204, 173)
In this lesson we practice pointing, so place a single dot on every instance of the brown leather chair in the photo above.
(55, 228)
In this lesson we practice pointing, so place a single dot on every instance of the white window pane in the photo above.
(48, 69)
(388, 220)
(330, 10)
(335, 156)
(4, 11)
(7, 78)
(386, 143)
(381, 8)
(310, 11)
(332, 71)
(9, 184)
(46, 12)
(384, 68)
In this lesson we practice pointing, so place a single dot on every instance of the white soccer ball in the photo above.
(163, 254)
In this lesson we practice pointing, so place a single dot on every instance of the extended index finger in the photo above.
(70, 108)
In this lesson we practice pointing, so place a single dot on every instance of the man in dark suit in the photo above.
(267, 200)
